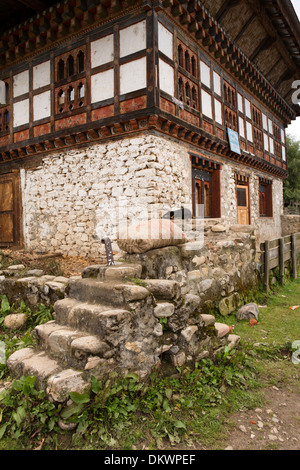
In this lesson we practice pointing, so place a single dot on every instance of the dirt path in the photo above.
(275, 426)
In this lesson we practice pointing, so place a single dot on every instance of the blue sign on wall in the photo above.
(234, 141)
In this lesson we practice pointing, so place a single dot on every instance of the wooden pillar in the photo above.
(267, 266)
(281, 260)
(294, 256)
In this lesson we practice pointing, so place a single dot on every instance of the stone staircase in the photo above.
(111, 321)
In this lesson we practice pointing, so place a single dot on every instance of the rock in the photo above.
(198, 260)
(35, 273)
(222, 329)
(233, 341)
(164, 310)
(189, 332)
(15, 320)
(205, 285)
(247, 312)
(60, 385)
(16, 267)
(229, 304)
(207, 319)
(218, 228)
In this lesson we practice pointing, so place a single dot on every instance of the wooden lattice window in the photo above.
(230, 119)
(187, 59)
(70, 97)
(229, 94)
(70, 64)
(258, 138)
(4, 119)
(187, 92)
(277, 150)
(277, 132)
(256, 116)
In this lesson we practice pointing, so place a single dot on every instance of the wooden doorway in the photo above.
(243, 205)
(10, 211)
(202, 192)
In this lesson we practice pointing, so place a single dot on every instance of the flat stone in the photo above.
(16, 267)
(218, 228)
(35, 273)
(60, 385)
(164, 310)
(163, 289)
(90, 345)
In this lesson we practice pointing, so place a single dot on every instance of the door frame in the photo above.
(247, 187)
(15, 179)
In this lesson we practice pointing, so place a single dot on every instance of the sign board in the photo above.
(234, 141)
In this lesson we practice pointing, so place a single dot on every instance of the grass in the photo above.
(192, 408)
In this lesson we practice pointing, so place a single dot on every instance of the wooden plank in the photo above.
(6, 228)
(273, 263)
(274, 253)
(274, 243)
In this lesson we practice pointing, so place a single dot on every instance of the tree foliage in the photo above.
(292, 183)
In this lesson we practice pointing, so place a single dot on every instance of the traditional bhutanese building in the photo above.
(154, 102)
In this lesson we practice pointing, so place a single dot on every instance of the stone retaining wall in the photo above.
(290, 224)
(218, 275)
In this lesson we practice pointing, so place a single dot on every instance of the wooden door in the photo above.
(203, 198)
(10, 211)
(243, 207)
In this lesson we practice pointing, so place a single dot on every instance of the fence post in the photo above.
(294, 256)
(267, 264)
(281, 260)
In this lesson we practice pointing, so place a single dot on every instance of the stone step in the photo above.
(103, 321)
(108, 293)
(50, 375)
(74, 347)
(118, 272)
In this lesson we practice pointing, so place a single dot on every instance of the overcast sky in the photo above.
(294, 128)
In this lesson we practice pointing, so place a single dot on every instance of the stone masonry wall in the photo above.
(74, 199)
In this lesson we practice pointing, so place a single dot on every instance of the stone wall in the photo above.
(74, 199)
(290, 224)
(219, 275)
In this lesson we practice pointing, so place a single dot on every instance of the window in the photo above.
(187, 92)
(265, 198)
(205, 74)
(206, 188)
(71, 66)
(61, 70)
(230, 119)
(217, 83)
(206, 104)
(256, 116)
(229, 94)
(258, 138)
(80, 62)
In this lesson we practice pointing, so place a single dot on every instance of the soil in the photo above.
(51, 263)
(275, 426)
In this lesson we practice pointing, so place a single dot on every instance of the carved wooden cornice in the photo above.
(15, 155)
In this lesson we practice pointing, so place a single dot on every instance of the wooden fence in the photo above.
(276, 253)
